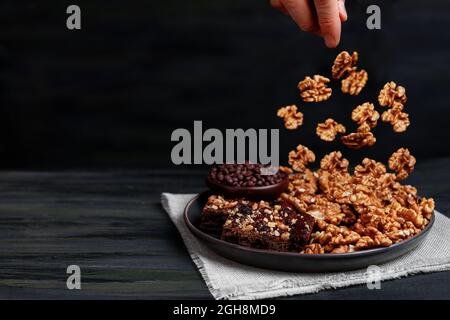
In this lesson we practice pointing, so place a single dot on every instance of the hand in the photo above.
(321, 17)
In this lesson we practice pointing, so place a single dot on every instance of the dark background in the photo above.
(110, 95)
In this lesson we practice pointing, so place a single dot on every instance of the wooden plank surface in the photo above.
(112, 225)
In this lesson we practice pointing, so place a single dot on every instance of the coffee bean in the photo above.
(243, 175)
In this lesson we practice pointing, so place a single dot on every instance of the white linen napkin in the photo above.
(227, 279)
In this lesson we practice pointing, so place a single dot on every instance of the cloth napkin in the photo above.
(227, 279)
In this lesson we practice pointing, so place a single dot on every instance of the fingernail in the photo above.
(329, 41)
(342, 9)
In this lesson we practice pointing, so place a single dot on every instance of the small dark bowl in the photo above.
(265, 192)
(296, 262)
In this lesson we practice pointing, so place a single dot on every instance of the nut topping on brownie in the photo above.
(216, 211)
(269, 226)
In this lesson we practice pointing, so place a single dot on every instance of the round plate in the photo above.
(295, 262)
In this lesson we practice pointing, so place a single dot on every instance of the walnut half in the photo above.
(327, 131)
(300, 158)
(397, 118)
(356, 140)
(334, 162)
(402, 162)
(355, 82)
(343, 63)
(392, 95)
(365, 114)
(291, 116)
(314, 89)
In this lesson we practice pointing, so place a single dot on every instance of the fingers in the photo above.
(277, 5)
(329, 21)
(302, 12)
(321, 17)
(342, 11)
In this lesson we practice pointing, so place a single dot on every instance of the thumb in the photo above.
(329, 21)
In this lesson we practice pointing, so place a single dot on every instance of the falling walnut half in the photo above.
(300, 158)
(343, 63)
(314, 89)
(327, 131)
(356, 140)
(392, 95)
(355, 82)
(291, 116)
(334, 162)
(397, 118)
(365, 114)
(402, 162)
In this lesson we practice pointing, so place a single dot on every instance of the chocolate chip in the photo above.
(245, 209)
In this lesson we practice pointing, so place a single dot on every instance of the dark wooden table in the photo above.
(112, 225)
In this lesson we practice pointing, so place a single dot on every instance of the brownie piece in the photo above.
(215, 213)
(268, 226)
(302, 229)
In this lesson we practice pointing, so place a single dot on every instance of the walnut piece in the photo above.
(356, 140)
(303, 182)
(343, 63)
(370, 167)
(333, 175)
(411, 215)
(314, 89)
(300, 158)
(334, 162)
(291, 116)
(397, 118)
(367, 242)
(402, 162)
(392, 95)
(354, 82)
(365, 114)
(314, 248)
(336, 239)
(344, 249)
(327, 131)
(426, 206)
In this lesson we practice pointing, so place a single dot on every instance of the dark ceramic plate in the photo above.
(287, 261)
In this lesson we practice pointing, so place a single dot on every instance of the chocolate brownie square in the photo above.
(269, 226)
(215, 213)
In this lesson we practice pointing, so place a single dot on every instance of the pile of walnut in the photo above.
(315, 89)
(369, 208)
